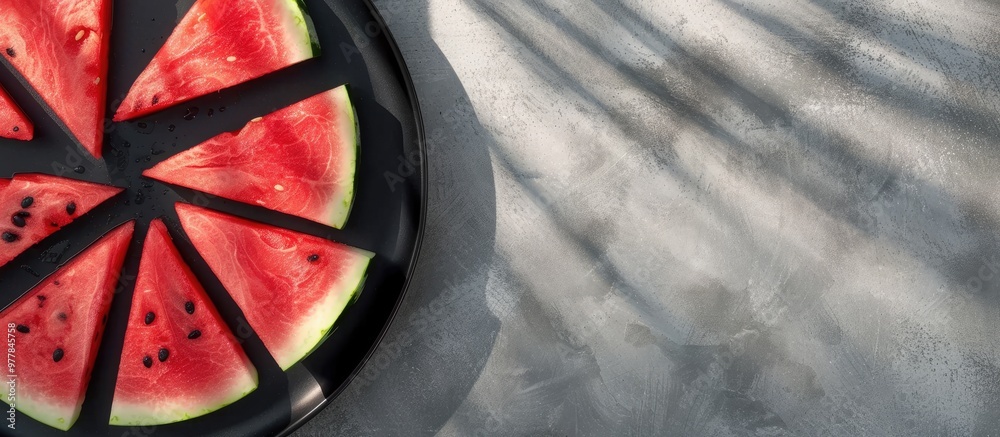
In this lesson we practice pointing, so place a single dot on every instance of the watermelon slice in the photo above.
(56, 329)
(299, 160)
(180, 361)
(61, 49)
(15, 124)
(291, 287)
(219, 44)
(33, 206)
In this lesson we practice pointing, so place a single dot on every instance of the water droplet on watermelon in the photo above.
(194, 334)
(313, 258)
(10, 52)
(150, 317)
(9, 237)
(189, 307)
(192, 112)
(139, 197)
(142, 125)
(71, 208)
(210, 112)
(147, 361)
(222, 109)
(144, 50)
(27, 201)
(163, 355)
(18, 221)
(57, 356)
(127, 144)
(80, 169)
(157, 151)
(171, 128)
(23, 329)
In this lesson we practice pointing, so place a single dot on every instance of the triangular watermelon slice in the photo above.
(56, 329)
(219, 44)
(15, 124)
(61, 49)
(33, 206)
(291, 286)
(176, 338)
(299, 160)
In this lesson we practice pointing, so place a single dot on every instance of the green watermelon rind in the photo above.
(319, 329)
(142, 417)
(301, 19)
(339, 210)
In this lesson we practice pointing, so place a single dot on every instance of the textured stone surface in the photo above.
(713, 217)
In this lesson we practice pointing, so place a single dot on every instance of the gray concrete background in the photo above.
(712, 217)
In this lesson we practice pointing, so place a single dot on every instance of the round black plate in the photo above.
(387, 217)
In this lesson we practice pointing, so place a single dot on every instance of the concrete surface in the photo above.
(712, 217)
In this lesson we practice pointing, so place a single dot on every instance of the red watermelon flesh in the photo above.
(219, 44)
(57, 328)
(292, 287)
(61, 49)
(299, 160)
(33, 206)
(14, 123)
(165, 375)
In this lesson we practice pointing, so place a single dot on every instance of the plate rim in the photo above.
(411, 92)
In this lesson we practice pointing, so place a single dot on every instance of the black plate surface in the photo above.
(387, 217)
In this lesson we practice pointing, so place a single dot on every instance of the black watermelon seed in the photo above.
(23, 329)
(27, 201)
(194, 334)
(24, 214)
(10, 52)
(41, 298)
(189, 307)
(62, 316)
(156, 99)
(313, 258)
(71, 208)
(16, 128)
(57, 355)
(9, 237)
(150, 317)
(164, 353)
(57, 283)
(18, 221)
(54, 224)
(147, 361)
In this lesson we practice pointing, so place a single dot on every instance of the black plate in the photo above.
(387, 217)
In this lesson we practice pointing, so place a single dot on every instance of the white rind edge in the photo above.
(339, 209)
(302, 40)
(126, 414)
(58, 418)
(326, 313)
